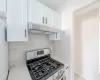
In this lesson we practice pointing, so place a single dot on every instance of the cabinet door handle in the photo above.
(46, 20)
(5, 30)
(56, 35)
(25, 32)
(43, 19)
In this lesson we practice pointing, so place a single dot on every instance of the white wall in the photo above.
(68, 9)
(61, 48)
(61, 51)
(67, 12)
(17, 49)
(99, 42)
(77, 44)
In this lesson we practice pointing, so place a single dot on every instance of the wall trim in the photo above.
(93, 5)
(83, 77)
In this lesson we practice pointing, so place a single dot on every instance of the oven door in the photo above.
(63, 77)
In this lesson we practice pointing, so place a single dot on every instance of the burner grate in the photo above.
(43, 67)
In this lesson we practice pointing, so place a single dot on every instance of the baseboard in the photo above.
(83, 77)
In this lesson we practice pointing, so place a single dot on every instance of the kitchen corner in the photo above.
(31, 37)
(17, 56)
(49, 40)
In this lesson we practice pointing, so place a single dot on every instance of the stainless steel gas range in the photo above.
(42, 67)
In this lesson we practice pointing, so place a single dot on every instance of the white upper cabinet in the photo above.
(50, 18)
(17, 20)
(20, 12)
(35, 12)
(57, 20)
(55, 36)
(3, 5)
(41, 14)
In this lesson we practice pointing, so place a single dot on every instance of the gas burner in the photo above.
(41, 67)
(40, 73)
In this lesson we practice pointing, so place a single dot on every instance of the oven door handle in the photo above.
(62, 77)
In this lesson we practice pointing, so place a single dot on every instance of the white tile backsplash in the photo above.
(17, 49)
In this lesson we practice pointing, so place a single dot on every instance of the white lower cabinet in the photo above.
(17, 20)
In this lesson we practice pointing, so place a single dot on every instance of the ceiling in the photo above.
(54, 4)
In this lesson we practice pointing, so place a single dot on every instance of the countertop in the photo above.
(19, 73)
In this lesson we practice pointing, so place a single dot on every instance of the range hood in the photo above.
(41, 29)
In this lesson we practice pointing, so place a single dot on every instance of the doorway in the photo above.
(86, 45)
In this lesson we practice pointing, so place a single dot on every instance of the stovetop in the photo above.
(42, 67)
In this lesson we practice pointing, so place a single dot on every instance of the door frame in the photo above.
(83, 10)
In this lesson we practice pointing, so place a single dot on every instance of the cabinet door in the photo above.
(16, 33)
(50, 17)
(57, 20)
(35, 12)
(55, 36)
(3, 5)
(17, 20)
(3, 52)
